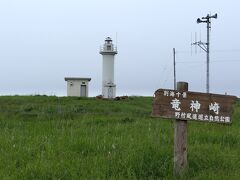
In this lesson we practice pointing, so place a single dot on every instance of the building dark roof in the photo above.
(77, 78)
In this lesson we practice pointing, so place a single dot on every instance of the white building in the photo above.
(108, 51)
(77, 86)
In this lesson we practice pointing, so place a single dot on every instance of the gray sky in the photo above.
(43, 41)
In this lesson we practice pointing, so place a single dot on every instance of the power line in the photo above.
(212, 51)
(226, 50)
(183, 62)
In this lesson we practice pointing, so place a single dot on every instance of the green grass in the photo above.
(78, 138)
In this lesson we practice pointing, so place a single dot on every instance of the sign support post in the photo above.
(180, 139)
(183, 105)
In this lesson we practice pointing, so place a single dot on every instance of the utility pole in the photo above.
(205, 46)
(174, 68)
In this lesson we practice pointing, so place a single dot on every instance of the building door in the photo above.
(110, 92)
(83, 91)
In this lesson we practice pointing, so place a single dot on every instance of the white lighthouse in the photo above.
(108, 51)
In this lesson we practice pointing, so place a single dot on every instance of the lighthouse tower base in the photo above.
(109, 91)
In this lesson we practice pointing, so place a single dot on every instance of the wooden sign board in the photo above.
(193, 106)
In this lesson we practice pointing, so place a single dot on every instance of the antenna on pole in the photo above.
(200, 37)
(174, 69)
(116, 39)
(195, 41)
(191, 44)
(206, 46)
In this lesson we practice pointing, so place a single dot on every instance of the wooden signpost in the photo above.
(184, 105)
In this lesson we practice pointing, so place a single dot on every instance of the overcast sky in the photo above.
(43, 41)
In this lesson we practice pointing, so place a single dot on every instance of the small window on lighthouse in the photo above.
(109, 48)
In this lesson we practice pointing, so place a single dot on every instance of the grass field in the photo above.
(78, 138)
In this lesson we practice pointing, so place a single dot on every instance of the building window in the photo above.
(71, 83)
(83, 83)
(109, 48)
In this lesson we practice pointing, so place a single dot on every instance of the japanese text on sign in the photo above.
(193, 106)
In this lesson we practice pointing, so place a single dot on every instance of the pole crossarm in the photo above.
(201, 44)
